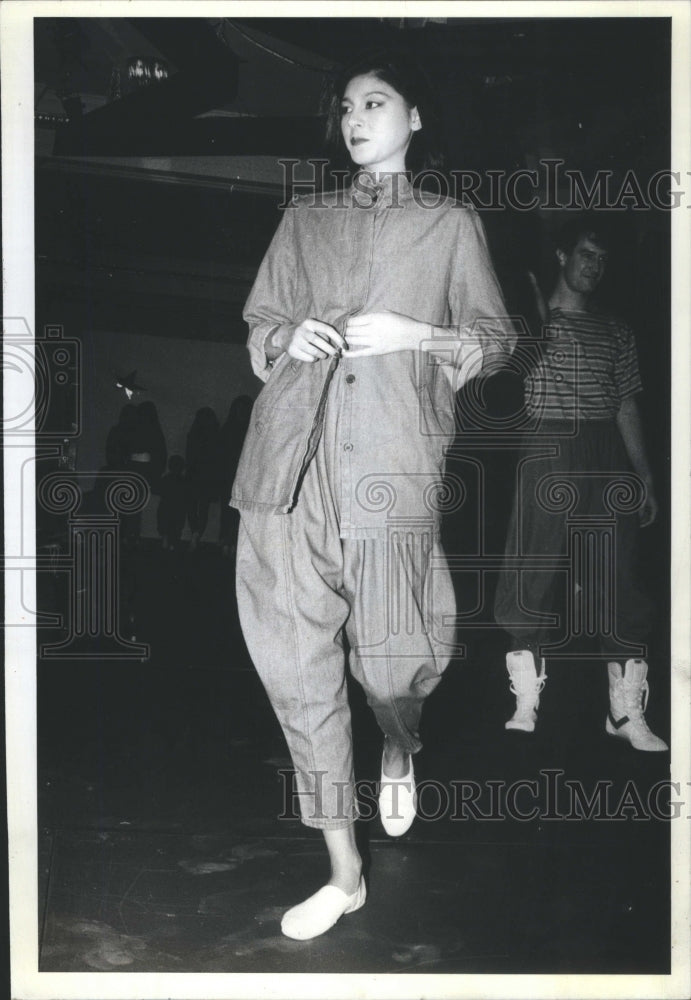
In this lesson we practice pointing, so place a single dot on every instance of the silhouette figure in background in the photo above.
(174, 503)
(120, 449)
(120, 439)
(149, 441)
(232, 438)
(136, 444)
(203, 461)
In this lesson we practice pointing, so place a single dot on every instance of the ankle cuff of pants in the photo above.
(517, 646)
(408, 746)
(328, 824)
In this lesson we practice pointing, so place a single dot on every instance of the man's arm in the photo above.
(630, 428)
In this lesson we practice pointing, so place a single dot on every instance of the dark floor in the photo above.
(161, 783)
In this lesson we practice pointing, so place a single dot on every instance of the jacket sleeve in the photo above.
(487, 335)
(271, 300)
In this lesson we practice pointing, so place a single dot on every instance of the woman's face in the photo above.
(377, 124)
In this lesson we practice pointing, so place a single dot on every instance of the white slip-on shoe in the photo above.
(321, 911)
(398, 802)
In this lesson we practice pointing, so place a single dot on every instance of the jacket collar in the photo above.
(390, 189)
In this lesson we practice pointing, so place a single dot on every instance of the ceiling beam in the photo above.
(122, 134)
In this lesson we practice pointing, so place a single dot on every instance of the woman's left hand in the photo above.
(382, 333)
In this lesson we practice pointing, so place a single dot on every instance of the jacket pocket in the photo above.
(278, 434)
(279, 394)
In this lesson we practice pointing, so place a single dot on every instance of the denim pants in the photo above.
(592, 460)
(300, 587)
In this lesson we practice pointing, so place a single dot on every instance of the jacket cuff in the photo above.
(261, 365)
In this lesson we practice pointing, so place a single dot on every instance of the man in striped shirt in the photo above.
(574, 474)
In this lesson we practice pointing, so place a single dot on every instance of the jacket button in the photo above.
(350, 379)
(347, 447)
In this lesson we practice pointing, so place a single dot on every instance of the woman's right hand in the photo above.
(309, 341)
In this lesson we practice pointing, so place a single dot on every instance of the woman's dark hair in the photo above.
(402, 72)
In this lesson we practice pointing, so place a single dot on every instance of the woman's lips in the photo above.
(356, 140)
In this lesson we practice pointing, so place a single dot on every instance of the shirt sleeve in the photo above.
(486, 333)
(627, 377)
(271, 300)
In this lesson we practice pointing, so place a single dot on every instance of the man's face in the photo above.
(583, 268)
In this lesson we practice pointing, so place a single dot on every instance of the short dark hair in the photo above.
(586, 225)
(401, 71)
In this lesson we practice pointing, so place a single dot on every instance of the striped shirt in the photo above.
(587, 367)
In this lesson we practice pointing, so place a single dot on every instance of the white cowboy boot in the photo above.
(526, 684)
(628, 697)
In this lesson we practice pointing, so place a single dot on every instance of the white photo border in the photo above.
(16, 23)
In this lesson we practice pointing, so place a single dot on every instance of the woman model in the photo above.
(371, 307)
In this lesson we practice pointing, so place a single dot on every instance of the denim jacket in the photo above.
(368, 251)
